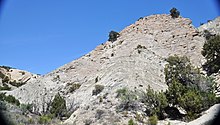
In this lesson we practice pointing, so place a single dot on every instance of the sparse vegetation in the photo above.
(208, 35)
(96, 79)
(88, 122)
(5, 87)
(74, 87)
(26, 108)
(99, 113)
(141, 18)
(6, 67)
(58, 106)
(128, 99)
(131, 122)
(113, 36)
(174, 13)
(98, 89)
(211, 51)
(153, 120)
(140, 47)
(10, 99)
(45, 119)
(187, 88)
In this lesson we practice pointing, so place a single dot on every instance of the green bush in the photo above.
(31, 121)
(121, 92)
(188, 88)
(207, 34)
(153, 120)
(174, 13)
(10, 99)
(155, 102)
(177, 69)
(25, 108)
(128, 99)
(5, 87)
(131, 122)
(98, 89)
(44, 119)
(74, 87)
(113, 36)
(174, 92)
(212, 54)
(191, 101)
(58, 106)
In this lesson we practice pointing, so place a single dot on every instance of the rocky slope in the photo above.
(15, 77)
(213, 26)
(135, 60)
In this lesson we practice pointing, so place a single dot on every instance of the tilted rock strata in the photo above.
(135, 60)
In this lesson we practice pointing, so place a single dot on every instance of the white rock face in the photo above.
(212, 26)
(117, 65)
(207, 117)
(16, 75)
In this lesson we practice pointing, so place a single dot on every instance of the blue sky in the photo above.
(42, 35)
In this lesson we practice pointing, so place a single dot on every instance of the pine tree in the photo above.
(211, 51)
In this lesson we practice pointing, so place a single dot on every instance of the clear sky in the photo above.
(42, 35)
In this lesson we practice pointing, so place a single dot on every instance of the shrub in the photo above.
(99, 113)
(174, 92)
(113, 36)
(155, 102)
(128, 99)
(5, 87)
(25, 108)
(98, 89)
(187, 88)
(141, 18)
(96, 79)
(131, 122)
(208, 99)
(212, 54)
(140, 47)
(30, 121)
(10, 99)
(191, 101)
(177, 69)
(6, 67)
(153, 120)
(207, 34)
(121, 92)
(139, 118)
(58, 106)
(88, 122)
(74, 87)
(44, 119)
(174, 13)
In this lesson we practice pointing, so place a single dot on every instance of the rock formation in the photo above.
(135, 60)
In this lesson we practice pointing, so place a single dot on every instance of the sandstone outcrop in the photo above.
(135, 60)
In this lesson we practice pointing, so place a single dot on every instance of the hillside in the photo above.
(14, 78)
(135, 60)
